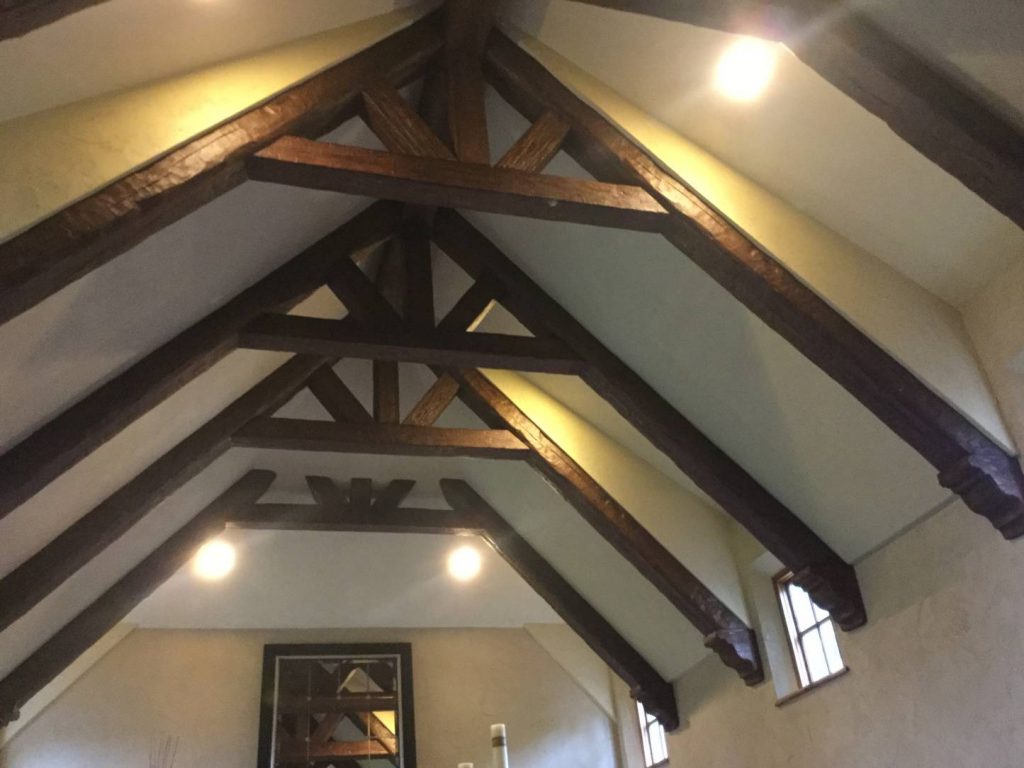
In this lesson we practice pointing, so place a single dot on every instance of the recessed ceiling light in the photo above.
(464, 563)
(214, 560)
(745, 68)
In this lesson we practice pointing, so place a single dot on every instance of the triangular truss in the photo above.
(437, 160)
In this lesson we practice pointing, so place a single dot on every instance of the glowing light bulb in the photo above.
(214, 560)
(464, 563)
(745, 68)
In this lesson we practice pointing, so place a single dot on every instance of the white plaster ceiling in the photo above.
(122, 43)
(806, 141)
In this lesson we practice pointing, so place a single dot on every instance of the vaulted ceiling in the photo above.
(840, 425)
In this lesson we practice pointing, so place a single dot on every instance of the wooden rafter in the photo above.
(87, 234)
(72, 435)
(335, 338)
(381, 439)
(969, 463)
(76, 637)
(645, 683)
(428, 181)
(930, 109)
(829, 579)
(538, 146)
(51, 566)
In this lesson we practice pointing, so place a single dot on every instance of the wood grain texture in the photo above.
(72, 435)
(398, 126)
(381, 439)
(87, 234)
(538, 146)
(643, 680)
(47, 569)
(969, 463)
(76, 637)
(336, 398)
(467, 24)
(335, 338)
(433, 403)
(428, 181)
(942, 117)
(832, 581)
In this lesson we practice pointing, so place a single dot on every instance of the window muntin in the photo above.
(812, 634)
(652, 733)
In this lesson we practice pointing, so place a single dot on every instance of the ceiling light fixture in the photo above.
(214, 560)
(745, 68)
(464, 563)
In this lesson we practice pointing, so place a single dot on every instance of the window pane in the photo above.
(817, 666)
(802, 610)
(658, 744)
(820, 614)
(832, 655)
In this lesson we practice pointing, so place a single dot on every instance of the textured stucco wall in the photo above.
(204, 687)
(937, 676)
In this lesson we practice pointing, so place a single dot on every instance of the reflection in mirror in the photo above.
(337, 705)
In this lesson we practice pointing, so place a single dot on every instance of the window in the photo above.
(812, 635)
(652, 733)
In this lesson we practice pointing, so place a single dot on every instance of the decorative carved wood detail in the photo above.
(928, 108)
(29, 677)
(988, 479)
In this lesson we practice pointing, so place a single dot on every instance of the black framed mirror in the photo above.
(342, 705)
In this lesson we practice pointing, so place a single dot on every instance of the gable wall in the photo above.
(204, 687)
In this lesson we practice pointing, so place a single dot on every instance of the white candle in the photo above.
(499, 744)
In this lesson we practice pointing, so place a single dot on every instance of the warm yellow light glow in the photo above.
(464, 563)
(745, 68)
(214, 560)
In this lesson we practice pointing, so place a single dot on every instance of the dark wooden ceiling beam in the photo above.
(314, 517)
(71, 243)
(830, 580)
(536, 148)
(724, 632)
(398, 126)
(76, 637)
(931, 109)
(644, 682)
(452, 184)
(467, 24)
(336, 398)
(51, 566)
(19, 17)
(391, 495)
(335, 338)
(380, 439)
(969, 463)
(433, 403)
(71, 436)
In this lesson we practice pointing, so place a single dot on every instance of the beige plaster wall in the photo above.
(937, 677)
(204, 688)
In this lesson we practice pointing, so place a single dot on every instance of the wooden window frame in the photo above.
(648, 721)
(795, 637)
